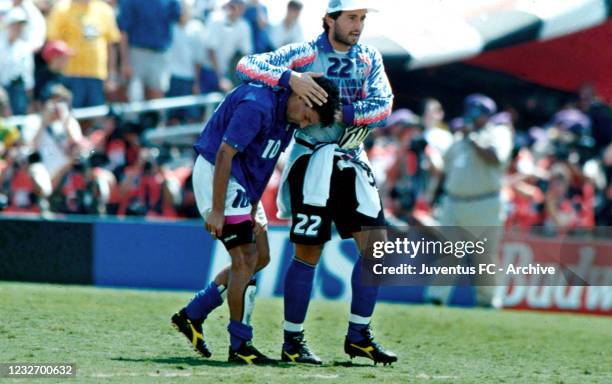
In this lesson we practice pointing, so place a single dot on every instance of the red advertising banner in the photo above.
(585, 285)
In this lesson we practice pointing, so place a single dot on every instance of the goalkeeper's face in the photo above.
(348, 27)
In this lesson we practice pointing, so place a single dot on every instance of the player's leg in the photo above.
(241, 294)
(189, 320)
(297, 291)
(298, 285)
(239, 241)
(211, 297)
(359, 340)
(311, 228)
(365, 230)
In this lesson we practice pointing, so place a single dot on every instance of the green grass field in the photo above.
(124, 336)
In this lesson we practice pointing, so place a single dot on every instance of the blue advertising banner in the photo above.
(183, 256)
(160, 255)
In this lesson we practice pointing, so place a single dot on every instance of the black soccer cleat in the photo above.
(369, 348)
(295, 350)
(192, 331)
(247, 354)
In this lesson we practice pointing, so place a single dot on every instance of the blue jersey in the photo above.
(251, 119)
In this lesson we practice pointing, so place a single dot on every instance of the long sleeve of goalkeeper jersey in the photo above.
(274, 69)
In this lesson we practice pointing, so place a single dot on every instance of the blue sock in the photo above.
(239, 333)
(298, 287)
(362, 304)
(205, 301)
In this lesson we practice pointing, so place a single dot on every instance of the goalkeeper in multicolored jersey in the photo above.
(328, 176)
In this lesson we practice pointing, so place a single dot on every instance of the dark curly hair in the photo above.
(334, 16)
(327, 111)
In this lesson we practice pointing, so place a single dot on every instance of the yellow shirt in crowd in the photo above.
(87, 27)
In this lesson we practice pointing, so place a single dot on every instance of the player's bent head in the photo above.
(302, 115)
(327, 111)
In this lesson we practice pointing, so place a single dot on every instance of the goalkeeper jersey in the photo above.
(359, 74)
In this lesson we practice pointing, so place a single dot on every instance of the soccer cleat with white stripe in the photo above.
(368, 348)
(192, 331)
(295, 350)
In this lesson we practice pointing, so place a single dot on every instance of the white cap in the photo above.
(15, 15)
(350, 5)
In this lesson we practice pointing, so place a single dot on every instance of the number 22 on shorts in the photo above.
(307, 225)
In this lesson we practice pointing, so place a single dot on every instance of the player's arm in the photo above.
(374, 109)
(277, 68)
(246, 122)
(223, 170)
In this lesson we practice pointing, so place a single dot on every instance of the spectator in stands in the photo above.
(436, 132)
(146, 36)
(89, 28)
(188, 207)
(9, 135)
(35, 31)
(56, 55)
(26, 182)
(256, 15)
(184, 67)
(226, 39)
(44, 6)
(203, 8)
(560, 215)
(123, 146)
(16, 61)
(474, 167)
(82, 186)
(5, 105)
(407, 178)
(524, 193)
(145, 190)
(599, 114)
(289, 30)
(59, 136)
(439, 139)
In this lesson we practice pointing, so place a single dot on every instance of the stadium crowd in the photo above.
(56, 56)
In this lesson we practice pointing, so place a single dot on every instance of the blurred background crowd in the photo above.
(57, 57)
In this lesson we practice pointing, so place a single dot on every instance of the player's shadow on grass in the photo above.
(350, 364)
(191, 361)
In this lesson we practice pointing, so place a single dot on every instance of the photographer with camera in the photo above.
(409, 176)
(82, 186)
(571, 172)
(24, 182)
(59, 137)
(147, 189)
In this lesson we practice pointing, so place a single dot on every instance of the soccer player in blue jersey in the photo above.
(345, 191)
(237, 153)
